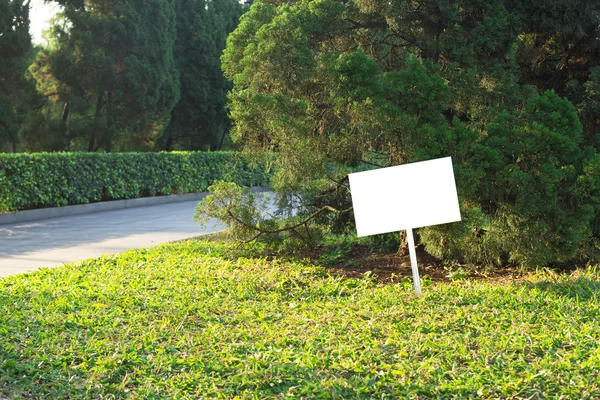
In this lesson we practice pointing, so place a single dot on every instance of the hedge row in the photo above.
(29, 181)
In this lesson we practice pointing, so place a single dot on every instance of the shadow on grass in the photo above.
(582, 288)
(14, 374)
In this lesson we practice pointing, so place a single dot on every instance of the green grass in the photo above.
(188, 321)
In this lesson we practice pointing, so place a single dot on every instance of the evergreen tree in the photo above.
(111, 67)
(389, 82)
(200, 121)
(15, 47)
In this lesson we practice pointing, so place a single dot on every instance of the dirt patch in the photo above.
(393, 268)
(390, 268)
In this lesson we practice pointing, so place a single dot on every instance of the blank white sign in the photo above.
(404, 197)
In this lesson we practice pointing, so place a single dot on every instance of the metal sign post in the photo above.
(413, 260)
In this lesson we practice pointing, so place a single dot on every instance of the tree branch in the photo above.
(368, 25)
(290, 228)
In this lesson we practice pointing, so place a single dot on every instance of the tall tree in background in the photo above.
(15, 47)
(200, 121)
(111, 68)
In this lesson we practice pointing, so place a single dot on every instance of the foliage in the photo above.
(110, 69)
(335, 253)
(235, 206)
(322, 81)
(15, 48)
(199, 120)
(537, 191)
(249, 217)
(558, 50)
(58, 179)
(187, 321)
(132, 75)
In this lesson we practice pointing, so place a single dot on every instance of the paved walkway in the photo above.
(31, 245)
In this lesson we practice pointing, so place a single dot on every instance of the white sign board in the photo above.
(404, 197)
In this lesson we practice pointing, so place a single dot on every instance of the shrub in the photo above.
(29, 181)
(537, 195)
(315, 82)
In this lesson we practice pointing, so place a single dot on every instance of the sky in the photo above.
(40, 14)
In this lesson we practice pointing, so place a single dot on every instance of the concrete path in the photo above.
(31, 245)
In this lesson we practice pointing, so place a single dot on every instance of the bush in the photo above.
(29, 181)
(314, 82)
(537, 195)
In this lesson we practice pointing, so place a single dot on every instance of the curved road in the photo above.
(30, 245)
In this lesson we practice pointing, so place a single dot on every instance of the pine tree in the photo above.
(200, 121)
(112, 68)
(502, 86)
(15, 46)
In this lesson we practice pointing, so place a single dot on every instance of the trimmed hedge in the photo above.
(40, 180)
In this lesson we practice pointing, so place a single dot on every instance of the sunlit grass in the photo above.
(189, 321)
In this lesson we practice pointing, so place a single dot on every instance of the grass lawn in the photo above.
(189, 321)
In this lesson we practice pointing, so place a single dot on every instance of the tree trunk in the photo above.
(169, 143)
(168, 132)
(222, 139)
(66, 112)
(109, 120)
(99, 103)
(66, 120)
(403, 248)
